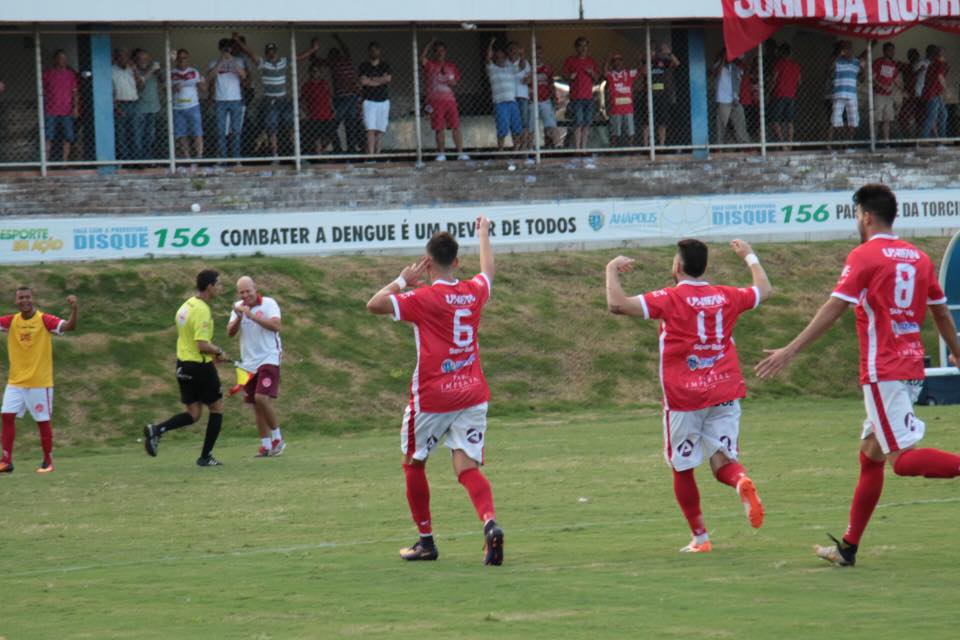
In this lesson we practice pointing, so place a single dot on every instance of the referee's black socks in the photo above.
(213, 432)
(180, 420)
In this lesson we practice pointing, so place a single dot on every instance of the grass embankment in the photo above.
(547, 341)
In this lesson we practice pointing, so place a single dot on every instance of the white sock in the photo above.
(276, 434)
(265, 443)
(700, 539)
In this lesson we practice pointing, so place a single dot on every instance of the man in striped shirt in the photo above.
(846, 73)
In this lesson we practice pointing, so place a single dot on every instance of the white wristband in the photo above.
(400, 282)
(751, 259)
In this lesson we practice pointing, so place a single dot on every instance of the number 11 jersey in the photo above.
(446, 321)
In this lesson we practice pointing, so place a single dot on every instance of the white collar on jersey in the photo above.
(694, 283)
(884, 236)
(446, 282)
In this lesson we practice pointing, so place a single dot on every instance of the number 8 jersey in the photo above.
(891, 282)
(446, 321)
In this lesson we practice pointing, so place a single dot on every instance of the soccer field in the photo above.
(118, 545)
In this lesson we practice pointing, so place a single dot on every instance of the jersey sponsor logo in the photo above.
(182, 317)
(706, 301)
(432, 442)
(474, 436)
(449, 366)
(910, 422)
(901, 253)
(267, 383)
(460, 299)
(38, 408)
(904, 328)
(695, 362)
(727, 443)
(685, 448)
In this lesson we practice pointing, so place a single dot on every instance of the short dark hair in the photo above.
(372, 45)
(438, 44)
(206, 278)
(180, 52)
(784, 49)
(878, 200)
(693, 257)
(576, 43)
(932, 50)
(24, 287)
(442, 248)
(889, 45)
(225, 43)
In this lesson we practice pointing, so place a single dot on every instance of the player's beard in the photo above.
(863, 232)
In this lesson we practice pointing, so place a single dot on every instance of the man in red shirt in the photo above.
(620, 81)
(886, 73)
(786, 80)
(546, 96)
(320, 127)
(932, 94)
(891, 283)
(582, 71)
(448, 391)
(441, 77)
(61, 103)
(699, 373)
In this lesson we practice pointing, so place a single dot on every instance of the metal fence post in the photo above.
(171, 143)
(295, 97)
(870, 115)
(536, 94)
(651, 126)
(40, 129)
(763, 103)
(416, 97)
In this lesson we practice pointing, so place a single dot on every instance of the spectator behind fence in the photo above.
(320, 125)
(828, 78)
(441, 77)
(582, 72)
(886, 76)
(620, 81)
(934, 83)
(61, 104)
(911, 112)
(664, 89)
(187, 119)
(126, 92)
(786, 81)
(503, 92)
(546, 102)
(750, 95)
(729, 110)
(147, 106)
(846, 75)
(345, 96)
(224, 76)
(524, 72)
(374, 80)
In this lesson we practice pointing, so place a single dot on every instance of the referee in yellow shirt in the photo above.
(196, 371)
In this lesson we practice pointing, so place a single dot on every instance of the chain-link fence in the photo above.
(189, 97)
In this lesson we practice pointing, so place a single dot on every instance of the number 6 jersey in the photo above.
(699, 367)
(446, 320)
(891, 282)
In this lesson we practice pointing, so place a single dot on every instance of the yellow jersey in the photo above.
(30, 348)
(194, 322)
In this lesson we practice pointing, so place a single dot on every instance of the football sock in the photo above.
(180, 420)
(427, 539)
(266, 443)
(731, 473)
(7, 435)
(418, 497)
(214, 420)
(929, 463)
(480, 492)
(276, 434)
(688, 497)
(46, 439)
(865, 498)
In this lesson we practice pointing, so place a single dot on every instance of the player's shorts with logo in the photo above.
(265, 381)
(199, 382)
(691, 435)
(890, 415)
(464, 429)
(37, 400)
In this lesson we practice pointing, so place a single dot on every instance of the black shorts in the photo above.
(663, 108)
(199, 382)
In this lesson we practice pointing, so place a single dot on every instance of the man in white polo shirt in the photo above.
(224, 76)
(257, 319)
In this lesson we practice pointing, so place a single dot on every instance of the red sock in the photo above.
(480, 492)
(418, 496)
(865, 497)
(929, 463)
(688, 497)
(6, 437)
(731, 473)
(46, 439)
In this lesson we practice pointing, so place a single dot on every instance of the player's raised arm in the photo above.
(380, 303)
(617, 300)
(71, 322)
(778, 359)
(760, 279)
(948, 330)
(487, 264)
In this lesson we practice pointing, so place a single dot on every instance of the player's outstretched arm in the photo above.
(71, 322)
(947, 328)
(617, 300)
(778, 359)
(487, 264)
(760, 279)
(380, 303)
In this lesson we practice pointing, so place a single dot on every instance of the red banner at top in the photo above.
(747, 23)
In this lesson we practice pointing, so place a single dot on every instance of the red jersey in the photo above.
(317, 99)
(891, 282)
(446, 321)
(885, 72)
(932, 87)
(438, 76)
(620, 85)
(699, 367)
(788, 78)
(544, 83)
(581, 87)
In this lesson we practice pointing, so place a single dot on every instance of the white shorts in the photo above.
(852, 108)
(376, 115)
(37, 400)
(890, 414)
(464, 429)
(690, 435)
